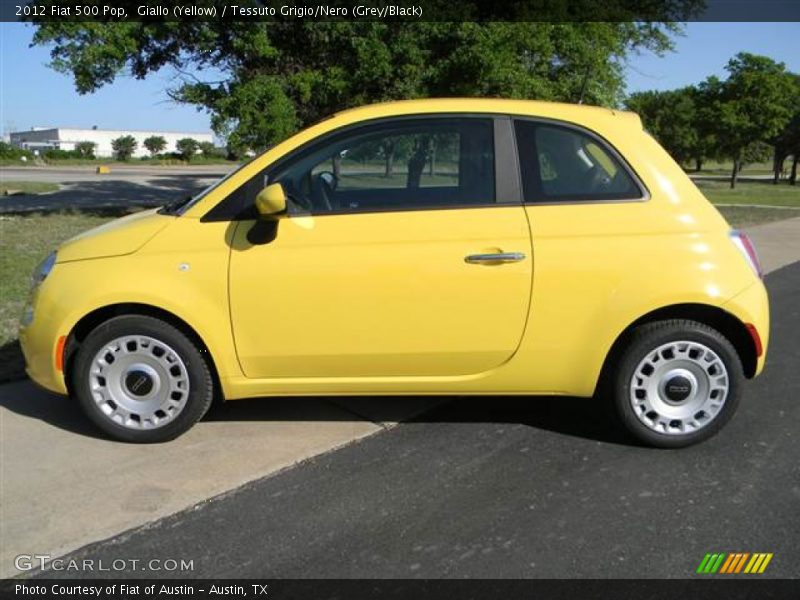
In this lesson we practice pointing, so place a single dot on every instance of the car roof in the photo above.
(580, 113)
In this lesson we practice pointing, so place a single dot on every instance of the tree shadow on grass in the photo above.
(110, 195)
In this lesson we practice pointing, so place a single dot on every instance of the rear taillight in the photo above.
(745, 246)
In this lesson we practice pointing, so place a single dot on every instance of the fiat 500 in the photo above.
(432, 247)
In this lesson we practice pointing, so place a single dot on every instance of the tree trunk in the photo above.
(793, 179)
(777, 165)
(388, 152)
(698, 164)
(389, 166)
(416, 164)
(735, 172)
(432, 167)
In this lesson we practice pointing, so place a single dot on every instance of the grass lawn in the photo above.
(24, 241)
(751, 192)
(753, 201)
(27, 187)
(724, 168)
(746, 216)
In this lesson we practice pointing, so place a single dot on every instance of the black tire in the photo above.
(201, 383)
(645, 340)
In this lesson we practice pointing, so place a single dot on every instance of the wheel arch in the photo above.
(93, 319)
(724, 322)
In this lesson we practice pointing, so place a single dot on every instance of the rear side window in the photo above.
(564, 164)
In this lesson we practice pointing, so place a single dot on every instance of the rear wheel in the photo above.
(677, 383)
(140, 379)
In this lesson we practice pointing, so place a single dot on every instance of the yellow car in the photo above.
(442, 246)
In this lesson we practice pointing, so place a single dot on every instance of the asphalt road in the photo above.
(124, 187)
(504, 487)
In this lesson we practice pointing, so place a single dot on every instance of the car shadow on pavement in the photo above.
(588, 418)
(25, 399)
(580, 417)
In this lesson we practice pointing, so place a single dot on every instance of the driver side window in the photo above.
(400, 165)
(564, 164)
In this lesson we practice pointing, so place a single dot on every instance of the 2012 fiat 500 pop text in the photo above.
(443, 246)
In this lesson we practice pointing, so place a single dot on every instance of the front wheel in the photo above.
(677, 383)
(141, 380)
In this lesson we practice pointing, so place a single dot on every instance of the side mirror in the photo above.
(271, 202)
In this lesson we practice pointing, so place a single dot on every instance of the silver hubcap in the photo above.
(679, 387)
(139, 382)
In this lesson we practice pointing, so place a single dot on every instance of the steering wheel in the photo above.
(598, 179)
(323, 187)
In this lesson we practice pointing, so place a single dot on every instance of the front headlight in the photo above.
(41, 272)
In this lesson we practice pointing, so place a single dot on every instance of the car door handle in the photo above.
(497, 258)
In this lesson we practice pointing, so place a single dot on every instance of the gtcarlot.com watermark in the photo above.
(28, 562)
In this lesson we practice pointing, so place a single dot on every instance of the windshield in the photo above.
(178, 207)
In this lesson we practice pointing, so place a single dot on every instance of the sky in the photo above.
(31, 94)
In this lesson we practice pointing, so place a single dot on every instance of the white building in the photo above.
(65, 138)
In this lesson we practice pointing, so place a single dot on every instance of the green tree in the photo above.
(155, 144)
(755, 152)
(787, 142)
(364, 152)
(671, 117)
(124, 147)
(706, 146)
(208, 150)
(14, 152)
(187, 147)
(85, 149)
(270, 78)
(680, 120)
(749, 106)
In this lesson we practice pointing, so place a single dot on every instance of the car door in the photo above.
(405, 253)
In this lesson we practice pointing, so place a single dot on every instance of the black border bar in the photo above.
(733, 588)
(401, 10)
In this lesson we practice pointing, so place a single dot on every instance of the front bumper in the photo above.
(39, 340)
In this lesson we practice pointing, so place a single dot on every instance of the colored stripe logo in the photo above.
(734, 562)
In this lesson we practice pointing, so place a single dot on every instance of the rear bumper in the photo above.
(751, 307)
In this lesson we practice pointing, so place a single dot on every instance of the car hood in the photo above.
(118, 237)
